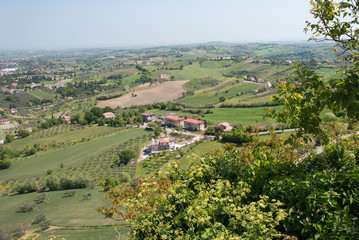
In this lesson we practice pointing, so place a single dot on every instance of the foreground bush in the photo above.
(256, 193)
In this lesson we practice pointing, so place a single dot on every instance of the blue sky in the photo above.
(42, 24)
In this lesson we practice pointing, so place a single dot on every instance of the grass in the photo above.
(194, 71)
(60, 134)
(197, 151)
(155, 163)
(200, 83)
(74, 215)
(238, 115)
(131, 79)
(69, 156)
(43, 94)
(212, 96)
(107, 233)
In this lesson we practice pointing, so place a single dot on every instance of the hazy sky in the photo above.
(41, 24)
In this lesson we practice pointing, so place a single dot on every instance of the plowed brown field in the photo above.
(146, 94)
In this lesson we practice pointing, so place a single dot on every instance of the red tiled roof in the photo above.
(174, 118)
(193, 121)
(148, 114)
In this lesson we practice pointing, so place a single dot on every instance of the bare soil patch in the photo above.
(147, 94)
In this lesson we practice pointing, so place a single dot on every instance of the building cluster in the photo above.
(7, 71)
(172, 120)
(4, 121)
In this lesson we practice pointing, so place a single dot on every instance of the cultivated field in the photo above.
(148, 94)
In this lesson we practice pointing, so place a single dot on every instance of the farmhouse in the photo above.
(2, 141)
(67, 118)
(193, 124)
(161, 145)
(109, 115)
(148, 117)
(174, 121)
(224, 127)
(13, 110)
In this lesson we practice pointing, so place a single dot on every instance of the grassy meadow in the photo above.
(247, 116)
(74, 217)
(69, 156)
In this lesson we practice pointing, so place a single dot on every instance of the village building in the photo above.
(148, 117)
(174, 121)
(59, 85)
(109, 115)
(165, 76)
(260, 80)
(2, 141)
(67, 118)
(4, 121)
(160, 145)
(168, 114)
(224, 127)
(13, 110)
(35, 86)
(193, 124)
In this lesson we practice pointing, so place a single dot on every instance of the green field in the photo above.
(43, 94)
(201, 83)
(196, 153)
(70, 156)
(196, 71)
(247, 116)
(213, 96)
(74, 217)
(66, 213)
(131, 79)
(62, 134)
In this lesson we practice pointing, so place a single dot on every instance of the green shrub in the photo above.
(45, 224)
(27, 207)
(39, 218)
(87, 196)
(27, 187)
(125, 156)
(5, 163)
(41, 197)
(69, 193)
(53, 183)
(124, 177)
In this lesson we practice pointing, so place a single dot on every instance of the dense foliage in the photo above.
(125, 156)
(237, 135)
(248, 194)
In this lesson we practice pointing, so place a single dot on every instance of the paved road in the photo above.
(279, 131)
